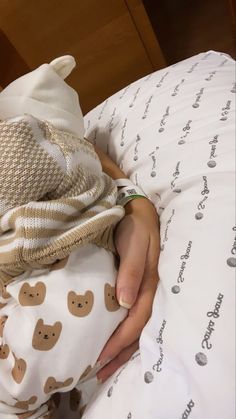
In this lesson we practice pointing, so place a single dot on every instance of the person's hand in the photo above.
(137, 242)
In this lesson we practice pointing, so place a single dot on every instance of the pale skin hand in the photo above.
(137, 242)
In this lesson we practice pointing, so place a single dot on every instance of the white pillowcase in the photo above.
(164, 118)
(172, 133)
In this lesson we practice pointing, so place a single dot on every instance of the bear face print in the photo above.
(18, 371)
(3, 320)
(111, 302)
(3, 292)
(60, 264)
(82, 410)
(56, 397)
(26, 415)
(75, 397)
(4, 351)
(24, 404)
(51, 409)
(32, 295)
(80, 305)
(87, 370)
(52, 385)
(46, 336)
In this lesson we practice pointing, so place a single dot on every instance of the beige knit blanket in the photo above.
(54, 196)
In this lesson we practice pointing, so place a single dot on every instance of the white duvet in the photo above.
(173, 134)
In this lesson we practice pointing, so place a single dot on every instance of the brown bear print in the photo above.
(4, 351)
(80, 305)
(81, 411)
(111, 302)
(26, 415)
(75, 397)
(56, 397)
(2, 305)
(2, 324)
(3, 292)
(18, 371)
(85, 373)
(24, 404)
(46, 336)
(51, 409)
(59, 264)
(32, 295)
(51, 384)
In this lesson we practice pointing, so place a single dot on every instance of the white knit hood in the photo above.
(54, 196)
(44, 94)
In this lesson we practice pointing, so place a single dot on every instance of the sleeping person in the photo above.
(58, 211)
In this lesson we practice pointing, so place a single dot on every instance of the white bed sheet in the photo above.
(173, 133)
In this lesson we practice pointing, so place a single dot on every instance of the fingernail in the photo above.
(126, 298)
(99, 380)
(98, 364)
(101, 363)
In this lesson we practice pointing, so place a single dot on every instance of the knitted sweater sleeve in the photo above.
(54, 196)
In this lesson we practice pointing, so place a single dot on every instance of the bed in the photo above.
(172, 132)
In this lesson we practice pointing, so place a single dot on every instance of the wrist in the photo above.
(139, 205)
(108, 165)
(127, 192)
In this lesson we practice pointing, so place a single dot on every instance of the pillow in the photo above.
(172, 133)
(160, 122)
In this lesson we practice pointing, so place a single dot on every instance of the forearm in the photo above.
(111, 169)
(108, 165)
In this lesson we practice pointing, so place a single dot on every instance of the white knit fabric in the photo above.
(89, 276)
(44, 92)
(54, 198)
(45, 158)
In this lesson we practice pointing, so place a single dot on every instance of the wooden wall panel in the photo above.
(102, 35)
(188, 27)
(12, 64)
(146, 32)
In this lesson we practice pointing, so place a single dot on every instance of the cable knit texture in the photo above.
(54, 196)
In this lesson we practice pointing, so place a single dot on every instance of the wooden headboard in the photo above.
(12, 64)
(112, 41)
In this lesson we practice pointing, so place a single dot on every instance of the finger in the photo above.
(131, 328)
(116, 363)
(154, 251)
(124, 336)
(151, 268)
(132, 254)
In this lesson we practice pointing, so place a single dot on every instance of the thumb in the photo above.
(132, 265)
